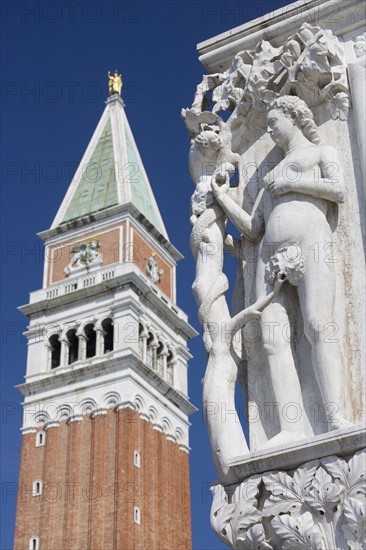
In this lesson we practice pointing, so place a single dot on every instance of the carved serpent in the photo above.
(221, 285)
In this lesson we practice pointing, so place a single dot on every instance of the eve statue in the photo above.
(290, 217)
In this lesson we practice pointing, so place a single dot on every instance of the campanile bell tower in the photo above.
(105, 447)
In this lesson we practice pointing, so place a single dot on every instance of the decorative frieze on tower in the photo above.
(105, 433)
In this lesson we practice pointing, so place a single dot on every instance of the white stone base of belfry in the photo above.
(310, 495)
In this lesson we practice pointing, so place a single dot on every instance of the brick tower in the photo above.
(104, 462)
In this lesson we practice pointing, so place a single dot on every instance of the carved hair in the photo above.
(209, 138)
(296, 109)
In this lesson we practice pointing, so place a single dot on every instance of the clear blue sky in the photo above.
(55, 57)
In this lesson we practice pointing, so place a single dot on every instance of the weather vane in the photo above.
(114, 83)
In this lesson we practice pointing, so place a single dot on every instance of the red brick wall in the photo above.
(91, 487)
(142, 250)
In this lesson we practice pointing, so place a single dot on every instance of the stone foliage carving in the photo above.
(318, 506)
(84, 256)
(310, 65)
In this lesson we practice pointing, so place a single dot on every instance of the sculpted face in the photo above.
(280, 127)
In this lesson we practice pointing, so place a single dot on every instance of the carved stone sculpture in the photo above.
(274, 156)
(292, 211)
(84, 256)
(220, 328)
(291, 216)
(318, 506)
(310, 65)
(152, 269)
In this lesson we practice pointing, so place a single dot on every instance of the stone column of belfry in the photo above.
(111, 469)
(99, 339)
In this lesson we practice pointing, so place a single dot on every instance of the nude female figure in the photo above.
(292, 216)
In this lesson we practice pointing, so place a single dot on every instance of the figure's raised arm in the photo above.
(333, 179)
(329, 184)
(254, 311)
(249, 226)
(323, 181)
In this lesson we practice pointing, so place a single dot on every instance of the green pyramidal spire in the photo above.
(110, 173)
(97, 187)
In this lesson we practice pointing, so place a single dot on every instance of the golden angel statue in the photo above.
(115, 83)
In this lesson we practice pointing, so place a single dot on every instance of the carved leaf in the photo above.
(254, 539)
(221, 514)
(355, 528)
(352, 476)
(247, 513)
(323, 492)
(249, 489)
(298, 533)
(337, 468)
(247, 516)
(357, 475)
(304, 475)
(285, 494)
(338, 106)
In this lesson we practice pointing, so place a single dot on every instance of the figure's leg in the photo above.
(283, 375)
(317, 294)
(226, 434)
(218, 392)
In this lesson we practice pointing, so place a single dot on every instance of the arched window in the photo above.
(40, 438)
(34, 543)
(55, 349)
(91, 339)
(136, 459)
(73, 342)
(170, 368)
(37, 488)
(107, 326)
(137, 515)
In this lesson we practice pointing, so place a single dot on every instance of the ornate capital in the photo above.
(319, 505)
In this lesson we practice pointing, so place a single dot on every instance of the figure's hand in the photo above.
(280, 279)
(210, 199)
(220, 181)
(229, 240)
(278, 187)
